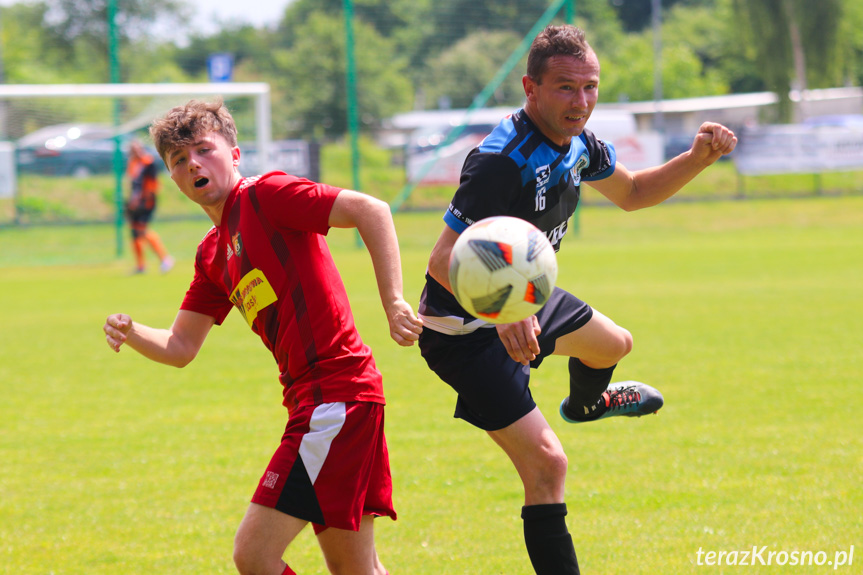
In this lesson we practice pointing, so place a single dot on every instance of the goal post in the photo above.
(162, 96)
(259, 90)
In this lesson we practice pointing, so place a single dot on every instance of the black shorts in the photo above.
(140, 215)
(492, 389)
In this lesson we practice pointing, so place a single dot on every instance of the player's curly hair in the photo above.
(555, 41)
(184, 124)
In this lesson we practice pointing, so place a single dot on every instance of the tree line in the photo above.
(422, 54)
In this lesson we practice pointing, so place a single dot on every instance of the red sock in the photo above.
(288, 571)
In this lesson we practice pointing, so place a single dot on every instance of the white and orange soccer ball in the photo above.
(502, 269)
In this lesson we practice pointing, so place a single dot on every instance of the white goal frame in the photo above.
(260, 90)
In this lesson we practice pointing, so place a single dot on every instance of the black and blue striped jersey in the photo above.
(516, 171)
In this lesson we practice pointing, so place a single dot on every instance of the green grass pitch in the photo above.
(747, 315)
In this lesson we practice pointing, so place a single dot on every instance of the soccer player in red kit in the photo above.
(266, 256)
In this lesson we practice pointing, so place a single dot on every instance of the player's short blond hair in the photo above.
(183, 125)
(554, 41)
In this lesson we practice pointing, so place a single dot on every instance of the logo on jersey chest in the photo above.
(237, 242)
(235, 246)
(252, 294)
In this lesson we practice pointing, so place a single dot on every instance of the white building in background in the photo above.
(422, 134)
(684, 116)
(630, 126)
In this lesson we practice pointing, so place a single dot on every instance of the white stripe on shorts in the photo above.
(327, 420)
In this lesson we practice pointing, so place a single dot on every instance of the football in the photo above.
(502, 269)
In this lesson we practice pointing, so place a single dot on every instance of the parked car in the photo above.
(68, 150)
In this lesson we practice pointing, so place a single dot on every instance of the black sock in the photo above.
(548, 542)
(586, 384)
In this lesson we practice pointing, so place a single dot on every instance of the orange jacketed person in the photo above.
(144, 181)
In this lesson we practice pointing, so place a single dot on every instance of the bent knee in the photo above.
(547, 484)
(624, 343)
(250, 562)
(243, 560)
(557, 464)
(615, 346)
(548, 471)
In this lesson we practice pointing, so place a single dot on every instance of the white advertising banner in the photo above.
(798, 149)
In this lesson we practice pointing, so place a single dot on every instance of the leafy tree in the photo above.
(599, 21)
(795, 43)
(713, 32)
(636, 15)
(390, 18)
(630, 75)
(456, 19)
(406, 22)
(414, 25)
(461, 72)
(692, 47)
(144, 62)
(69, 20)
(601, 28)
(851, 46)
(79, 28)
(32, 55)
(26, 58)
(311, 77)
(244, 43)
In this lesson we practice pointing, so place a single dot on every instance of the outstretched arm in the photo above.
(373, 220)
(175, 346)
(651, 186)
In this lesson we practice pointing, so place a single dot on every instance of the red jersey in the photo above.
(268, 258)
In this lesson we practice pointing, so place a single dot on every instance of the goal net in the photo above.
(63, 147)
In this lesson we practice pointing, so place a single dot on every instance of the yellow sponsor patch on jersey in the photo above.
(252, 294)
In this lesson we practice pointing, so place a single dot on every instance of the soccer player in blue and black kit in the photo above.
(531, 167)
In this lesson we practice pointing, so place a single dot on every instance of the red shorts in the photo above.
(332, 467)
